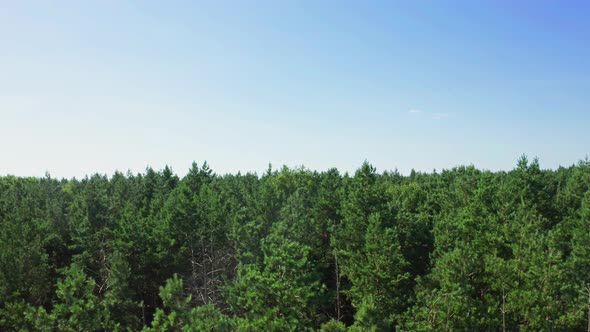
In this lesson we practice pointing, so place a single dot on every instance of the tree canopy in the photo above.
(298, 250)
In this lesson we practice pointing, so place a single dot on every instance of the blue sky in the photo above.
(116, 85)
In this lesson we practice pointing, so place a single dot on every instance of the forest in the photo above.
(293, 249)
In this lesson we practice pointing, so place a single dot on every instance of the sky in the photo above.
(89, 87)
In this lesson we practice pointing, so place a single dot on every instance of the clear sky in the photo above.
(115, 85)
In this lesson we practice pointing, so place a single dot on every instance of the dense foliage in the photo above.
(293, 249)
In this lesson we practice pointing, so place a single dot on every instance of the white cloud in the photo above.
(439, 116)
(432, 115)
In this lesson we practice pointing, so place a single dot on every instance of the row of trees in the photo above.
(293, 249)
